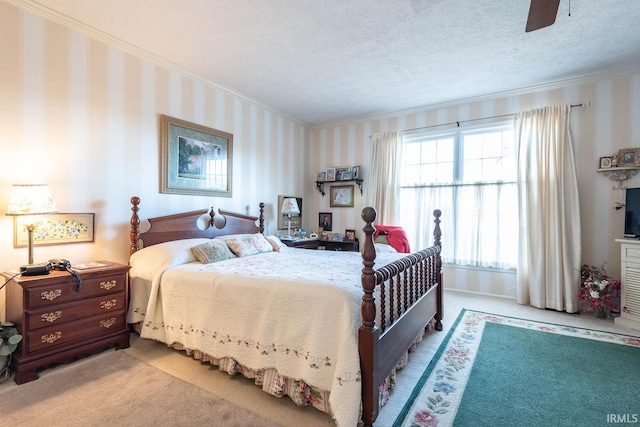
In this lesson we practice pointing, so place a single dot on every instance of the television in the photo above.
(632, 213)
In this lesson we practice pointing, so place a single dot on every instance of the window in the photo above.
(470, 176)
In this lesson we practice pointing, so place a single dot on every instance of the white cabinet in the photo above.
(630, 294)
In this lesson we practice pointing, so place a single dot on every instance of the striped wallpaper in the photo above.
(82, 116)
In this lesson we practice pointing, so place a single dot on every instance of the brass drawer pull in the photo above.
(51, 295)
(108, 323)
(107, 305)
(108, 285)
(51, 317)
(51, 338)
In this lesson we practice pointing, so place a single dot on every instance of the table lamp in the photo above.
(31, 199)
(290, 207)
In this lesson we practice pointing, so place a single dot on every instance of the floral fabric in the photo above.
(249, 245)
(212, 251)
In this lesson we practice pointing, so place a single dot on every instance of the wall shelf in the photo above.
(320, 184)
(620, 175)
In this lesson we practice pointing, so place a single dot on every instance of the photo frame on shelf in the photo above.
(355, 172)
(349, 234)
(629, 157)
(330, 174)
(343, 173)
(283, 219)
(321, 176)
(195, 159)
(54, 229)
(325, 221)
(341, 196)
(605, 162)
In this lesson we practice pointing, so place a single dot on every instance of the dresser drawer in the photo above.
(74, 332)
(49, 316)
(64, 292)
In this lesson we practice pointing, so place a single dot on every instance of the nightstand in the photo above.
(302, 243)
(60, 323)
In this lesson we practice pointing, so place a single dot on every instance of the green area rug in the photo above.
(494, 370)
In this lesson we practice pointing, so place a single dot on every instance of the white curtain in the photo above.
(383, 180)
(549, 230)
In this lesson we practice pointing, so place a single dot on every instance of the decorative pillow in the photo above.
(381, 238)
(275, 242)
(383, 248)
(212, 251)
(156, 258)
(249, 245)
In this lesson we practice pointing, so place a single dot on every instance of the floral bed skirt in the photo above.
(270, 381)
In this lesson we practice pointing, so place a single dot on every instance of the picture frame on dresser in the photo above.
(195, 159)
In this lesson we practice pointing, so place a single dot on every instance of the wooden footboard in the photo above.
(409, 291)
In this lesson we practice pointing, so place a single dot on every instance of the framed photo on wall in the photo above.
(53, 229)
(341, 196)
(325, 221)
(195, 159)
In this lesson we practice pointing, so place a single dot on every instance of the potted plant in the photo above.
(598, 292)
(9, 340)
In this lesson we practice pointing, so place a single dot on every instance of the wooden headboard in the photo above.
(185, 225)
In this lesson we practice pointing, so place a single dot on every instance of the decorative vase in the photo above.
(603, 312)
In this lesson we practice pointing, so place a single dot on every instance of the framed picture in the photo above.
(283, 219)
(195, 159)
(355, 172)
(341, 196)
(349, 234)
(321, 176)
(343, 173)
(605, 162)
(330, 174)
(628, 157)
(324, 222)
(53, 229)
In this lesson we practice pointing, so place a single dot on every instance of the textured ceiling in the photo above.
(326, 61)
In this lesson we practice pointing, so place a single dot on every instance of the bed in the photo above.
(314, 325)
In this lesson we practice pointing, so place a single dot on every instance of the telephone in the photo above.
(64, 264)
(59, 264)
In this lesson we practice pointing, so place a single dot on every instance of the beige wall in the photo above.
(83, 117)
(611, 122)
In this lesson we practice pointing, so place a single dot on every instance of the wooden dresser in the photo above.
(60, 323)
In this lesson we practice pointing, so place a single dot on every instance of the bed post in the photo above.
(369, 334)
(134, 234)
(437, 233)
(261, 218)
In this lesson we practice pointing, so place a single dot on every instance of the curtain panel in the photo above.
(548, 206)
(383, 186)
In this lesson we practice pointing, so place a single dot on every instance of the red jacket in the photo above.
(396, 237)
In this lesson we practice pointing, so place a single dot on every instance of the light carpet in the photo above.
(497, 370)
(116, 389)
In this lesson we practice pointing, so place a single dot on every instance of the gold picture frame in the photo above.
(195, 160)
(341, 196)
(629, 157)
(54, 229)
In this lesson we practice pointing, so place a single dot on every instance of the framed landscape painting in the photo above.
(195, 159)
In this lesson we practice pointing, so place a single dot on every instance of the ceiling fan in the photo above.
(542, 13)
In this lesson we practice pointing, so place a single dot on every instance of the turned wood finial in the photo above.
(261, 218)
(368, 306)
(134, 234)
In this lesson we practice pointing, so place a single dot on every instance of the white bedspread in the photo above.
(297, 311)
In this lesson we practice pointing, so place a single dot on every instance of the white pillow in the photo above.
(275, 242)
(251, 244)
(382, 248)
(147, 261)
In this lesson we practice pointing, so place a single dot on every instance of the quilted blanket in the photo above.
(297, 311)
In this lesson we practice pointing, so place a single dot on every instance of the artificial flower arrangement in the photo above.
(598, 291)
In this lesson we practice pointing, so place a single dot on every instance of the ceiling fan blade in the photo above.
(542, 13)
